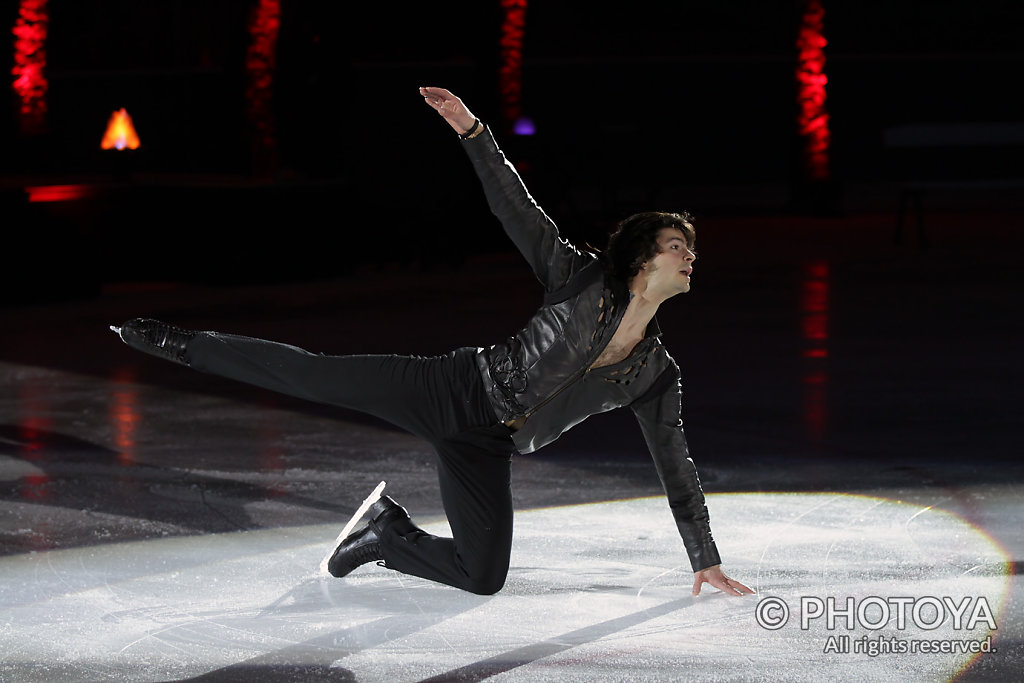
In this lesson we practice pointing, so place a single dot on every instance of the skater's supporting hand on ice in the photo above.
(717, 578)
(451, 108)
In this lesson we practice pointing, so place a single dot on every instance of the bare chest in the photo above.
(618, 349)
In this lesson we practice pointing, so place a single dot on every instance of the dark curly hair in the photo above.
(635, 240)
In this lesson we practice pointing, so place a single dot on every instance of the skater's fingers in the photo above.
(438, 92)
(730, 586)
(443, 101)
(717, 578)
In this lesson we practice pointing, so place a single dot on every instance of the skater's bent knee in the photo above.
(485, 588)
(488, 585)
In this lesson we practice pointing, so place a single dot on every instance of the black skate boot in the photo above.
(363, 546)
(156, 338)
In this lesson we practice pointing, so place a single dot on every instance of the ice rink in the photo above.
(160, 525)
(592, 595)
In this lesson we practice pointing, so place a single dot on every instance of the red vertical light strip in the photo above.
(30, 83)
(812, 119)
(814, 307)
(510, 74)
(260, 60)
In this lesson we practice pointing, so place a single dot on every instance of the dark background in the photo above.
(368, 233)
(673, 105)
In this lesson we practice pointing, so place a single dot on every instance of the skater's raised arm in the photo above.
(452, 110)
(553, 259)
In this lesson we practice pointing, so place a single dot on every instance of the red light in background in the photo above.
(816, 327)
(510, 74)
(30, 84)
(260, 60)
(812, 119)
(818, 270)
(57, 193)
(814, 306)
(814, 301)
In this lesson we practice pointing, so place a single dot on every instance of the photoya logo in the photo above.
(873, 613)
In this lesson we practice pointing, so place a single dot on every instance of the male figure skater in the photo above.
(593, 346)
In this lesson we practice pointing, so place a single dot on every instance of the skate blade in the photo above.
(360, 511)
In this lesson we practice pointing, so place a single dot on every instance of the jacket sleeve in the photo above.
(658, 412)
(553, 259)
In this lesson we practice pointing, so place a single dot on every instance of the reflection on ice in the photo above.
(124, 415)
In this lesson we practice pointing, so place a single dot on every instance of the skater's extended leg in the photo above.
(411, 392)
(431, 397)
(439, 398)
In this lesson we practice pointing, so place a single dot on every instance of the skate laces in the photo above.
(366, 553)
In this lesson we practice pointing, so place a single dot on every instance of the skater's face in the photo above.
(669, 270)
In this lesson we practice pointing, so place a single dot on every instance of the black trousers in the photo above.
(440, 399)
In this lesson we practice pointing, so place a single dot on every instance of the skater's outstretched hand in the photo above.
(450, 108)
(717, 578)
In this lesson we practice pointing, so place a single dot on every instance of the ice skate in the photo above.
(352, 550)
(156, 338)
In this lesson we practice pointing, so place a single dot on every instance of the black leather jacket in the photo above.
(543, 374)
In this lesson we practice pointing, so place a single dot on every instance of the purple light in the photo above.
(524, 126)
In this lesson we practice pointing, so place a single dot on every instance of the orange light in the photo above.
(120, 132)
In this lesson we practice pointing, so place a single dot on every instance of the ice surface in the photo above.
(132, 479)
(596, 592)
